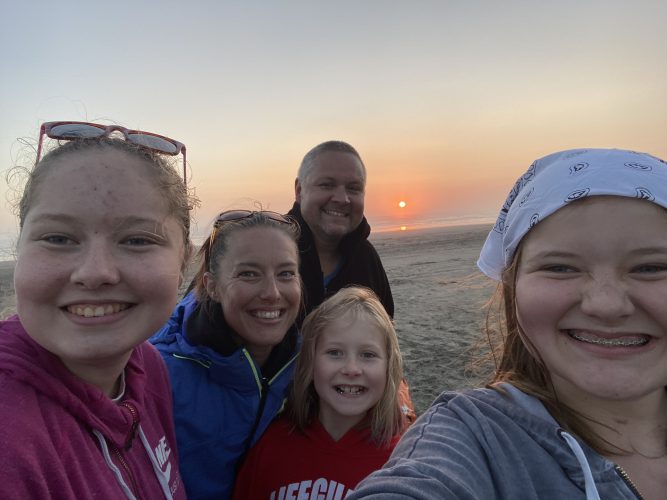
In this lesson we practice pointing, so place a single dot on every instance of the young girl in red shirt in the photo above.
(343, 417)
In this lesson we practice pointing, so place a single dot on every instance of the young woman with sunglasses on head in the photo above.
(231, 345)
(85, 402)
(577, 406)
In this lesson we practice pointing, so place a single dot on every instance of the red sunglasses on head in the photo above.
(233, 215)
(237, 215)
(70, 131)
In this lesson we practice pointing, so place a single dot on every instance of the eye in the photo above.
(356, 189)
(649, 268)
(58, 239)
(326, 185)
(334, 353)
(558, 268)
(248, 274)
(287, 275)
(369, 355)
(138, 241)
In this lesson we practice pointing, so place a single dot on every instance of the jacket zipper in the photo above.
(135, 423)
(128, 472)
(626, 477)
(128, 444)
(264, 392)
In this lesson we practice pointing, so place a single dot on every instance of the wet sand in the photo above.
(440, 297)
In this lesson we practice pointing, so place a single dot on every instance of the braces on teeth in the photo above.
(612, 342)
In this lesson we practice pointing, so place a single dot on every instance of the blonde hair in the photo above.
(385, 418)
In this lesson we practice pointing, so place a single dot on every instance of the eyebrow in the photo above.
(549, 254)
(256, 264)
(649, 250)
(130, 220)
(563, 254)
(338, 343)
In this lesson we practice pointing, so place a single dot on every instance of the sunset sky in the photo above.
(447, 101)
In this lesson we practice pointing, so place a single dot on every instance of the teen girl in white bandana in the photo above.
(577, 406)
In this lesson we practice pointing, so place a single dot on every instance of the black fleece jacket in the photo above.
(361, 265)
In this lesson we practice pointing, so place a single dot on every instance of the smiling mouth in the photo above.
(96, 310)
(275, 314)
(350, 389)
(334, 213)
(624, 341)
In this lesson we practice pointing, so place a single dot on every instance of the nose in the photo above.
(340, 195)
(270, 291)
(351, 367)
(607, 299)
(97, 267)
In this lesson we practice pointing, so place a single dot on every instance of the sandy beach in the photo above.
(439, 297)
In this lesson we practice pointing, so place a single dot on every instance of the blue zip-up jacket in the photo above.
(481, 444)
(222, 403)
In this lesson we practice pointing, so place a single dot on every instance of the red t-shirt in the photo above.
(288, 464)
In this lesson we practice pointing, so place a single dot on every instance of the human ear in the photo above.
(209, 285)
(297, 190)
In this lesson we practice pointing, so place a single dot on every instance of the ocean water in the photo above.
(381, 225)
(8, 245)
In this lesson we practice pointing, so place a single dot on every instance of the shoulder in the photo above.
(11, 325)
(148, 355)
(479, 411)
(146, 359)
(471, 444)
(26, 432)
(169, 335)
(456, 414)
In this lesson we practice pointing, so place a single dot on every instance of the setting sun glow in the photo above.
(402, 204)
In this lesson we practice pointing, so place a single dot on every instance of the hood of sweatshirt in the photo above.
(24, 360)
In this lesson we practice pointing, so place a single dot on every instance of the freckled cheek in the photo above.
(35, 282)
(531, 308)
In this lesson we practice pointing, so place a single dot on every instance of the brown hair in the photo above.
(386, 418)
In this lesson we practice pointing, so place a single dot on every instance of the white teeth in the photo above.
(267, 314)
(334, 213)
(350, 389)
(96, 311)
(616, 342)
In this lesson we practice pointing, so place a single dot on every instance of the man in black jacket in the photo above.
(334, 247)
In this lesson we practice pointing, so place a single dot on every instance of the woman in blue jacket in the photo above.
(230, 345)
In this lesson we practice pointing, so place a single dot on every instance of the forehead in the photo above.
(104, 159)
(258, 244)
(617, 215)
(337, 165)
(105, 177)
(357, 327)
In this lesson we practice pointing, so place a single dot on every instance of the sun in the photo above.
(402, 204)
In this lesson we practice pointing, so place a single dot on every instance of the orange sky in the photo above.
(448, 102)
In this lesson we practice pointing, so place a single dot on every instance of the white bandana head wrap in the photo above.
(560, 178)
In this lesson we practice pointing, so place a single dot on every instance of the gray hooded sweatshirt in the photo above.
(481, 444)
